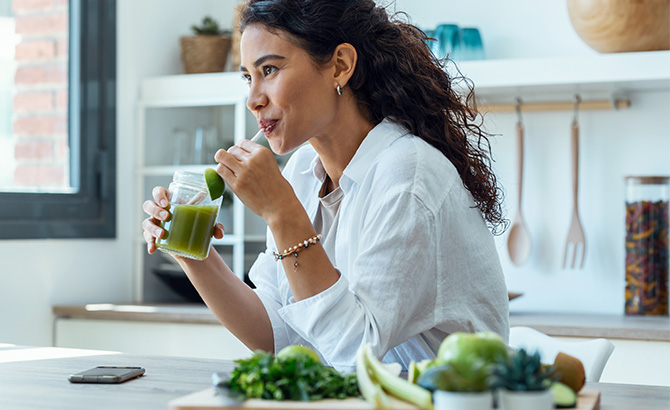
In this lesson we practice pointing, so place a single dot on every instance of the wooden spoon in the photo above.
(518, 241)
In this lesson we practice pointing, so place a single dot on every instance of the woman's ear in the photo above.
(344, 63)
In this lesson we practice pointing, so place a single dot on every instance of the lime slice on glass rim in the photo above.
(215, 184)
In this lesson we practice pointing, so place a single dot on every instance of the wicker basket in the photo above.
(204, 54)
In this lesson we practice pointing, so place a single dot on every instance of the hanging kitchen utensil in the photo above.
(576, 240)
(518, 241)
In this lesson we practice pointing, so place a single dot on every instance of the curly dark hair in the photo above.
(396, 77)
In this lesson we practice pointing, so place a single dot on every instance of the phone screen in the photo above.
(106, 374)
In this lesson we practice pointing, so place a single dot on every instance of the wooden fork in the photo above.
(576, 239)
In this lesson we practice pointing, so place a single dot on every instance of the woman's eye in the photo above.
(246, 78)
(269, 69)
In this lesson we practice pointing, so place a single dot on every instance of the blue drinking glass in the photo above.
(471, 45)
(448, 40)
(430, 34)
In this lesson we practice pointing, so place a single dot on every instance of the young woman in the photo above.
(379, 227)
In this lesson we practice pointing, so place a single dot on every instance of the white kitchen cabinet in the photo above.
(187, 102)
(153, 338)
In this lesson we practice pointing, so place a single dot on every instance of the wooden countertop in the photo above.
(554, 324)
(36, 378)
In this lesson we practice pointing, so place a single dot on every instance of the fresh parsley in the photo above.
(300, 378)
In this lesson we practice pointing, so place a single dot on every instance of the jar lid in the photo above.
(194, 179)
(648, 180)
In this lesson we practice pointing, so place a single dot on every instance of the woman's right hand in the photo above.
(158, 212)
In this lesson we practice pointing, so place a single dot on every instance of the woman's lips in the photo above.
(267, 126)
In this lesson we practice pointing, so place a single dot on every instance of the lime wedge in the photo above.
(215, 184)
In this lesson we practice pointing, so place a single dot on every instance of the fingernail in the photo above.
(158, 232)
(164, 202)
(163, 214)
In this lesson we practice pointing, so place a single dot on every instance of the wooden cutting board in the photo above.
(209, 400)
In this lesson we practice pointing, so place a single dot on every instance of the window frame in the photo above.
(91, 211)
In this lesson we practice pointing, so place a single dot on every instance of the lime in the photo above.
(215, 184)
(297, 352)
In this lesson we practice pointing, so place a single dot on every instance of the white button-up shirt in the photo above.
(415, 257)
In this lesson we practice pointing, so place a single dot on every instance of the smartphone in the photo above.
(106, 374)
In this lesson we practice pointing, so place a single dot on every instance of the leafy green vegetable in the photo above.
(297, 377)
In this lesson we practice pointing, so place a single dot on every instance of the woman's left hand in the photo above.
(252, 173)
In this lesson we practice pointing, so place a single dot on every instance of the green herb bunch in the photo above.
(522, 372)
(300, 378)
(209, 27)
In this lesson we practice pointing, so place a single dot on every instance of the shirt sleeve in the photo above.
(263, 274)
(389, 296)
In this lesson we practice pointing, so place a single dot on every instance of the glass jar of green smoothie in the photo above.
(189, 230)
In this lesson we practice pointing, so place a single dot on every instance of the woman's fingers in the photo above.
(161, 196)
(151, 242)
(157, 212)
(151, 232)
(218, 230)
(150, 226)
(152, 209)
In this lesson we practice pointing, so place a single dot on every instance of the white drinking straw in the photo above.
(258, 136)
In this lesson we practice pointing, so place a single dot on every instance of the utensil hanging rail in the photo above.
(612, 104)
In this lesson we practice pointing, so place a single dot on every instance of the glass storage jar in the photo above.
(193, 214)
(647, 245)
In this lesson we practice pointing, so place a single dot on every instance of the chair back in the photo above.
(593, 353)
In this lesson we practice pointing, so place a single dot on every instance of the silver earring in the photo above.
(339, 90)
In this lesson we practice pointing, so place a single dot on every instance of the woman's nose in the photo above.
(257, 98)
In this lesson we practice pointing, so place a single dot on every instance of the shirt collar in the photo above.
(377, 140)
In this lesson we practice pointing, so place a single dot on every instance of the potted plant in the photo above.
(523, 382)
(459, 385)
(207, 50)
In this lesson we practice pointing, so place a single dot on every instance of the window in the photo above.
(57, 118)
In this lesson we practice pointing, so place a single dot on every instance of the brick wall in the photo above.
(39, 123)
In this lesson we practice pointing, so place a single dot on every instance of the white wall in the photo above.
(509, 29)
(38, 274)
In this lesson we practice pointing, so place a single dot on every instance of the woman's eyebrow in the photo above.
(263, 59)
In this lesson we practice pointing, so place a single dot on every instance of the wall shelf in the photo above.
(602, 73)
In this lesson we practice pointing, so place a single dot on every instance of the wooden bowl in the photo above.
(615, 26)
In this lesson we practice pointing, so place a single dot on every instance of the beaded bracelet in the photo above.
(293, 250)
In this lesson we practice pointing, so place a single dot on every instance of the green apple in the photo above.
(463, 347)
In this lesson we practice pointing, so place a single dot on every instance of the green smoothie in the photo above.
(189, 232)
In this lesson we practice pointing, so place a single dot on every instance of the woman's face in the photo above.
(292, 99)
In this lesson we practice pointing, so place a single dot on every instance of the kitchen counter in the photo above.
(44, 370)
(554, 324)
(589, 325)
(173, 313)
